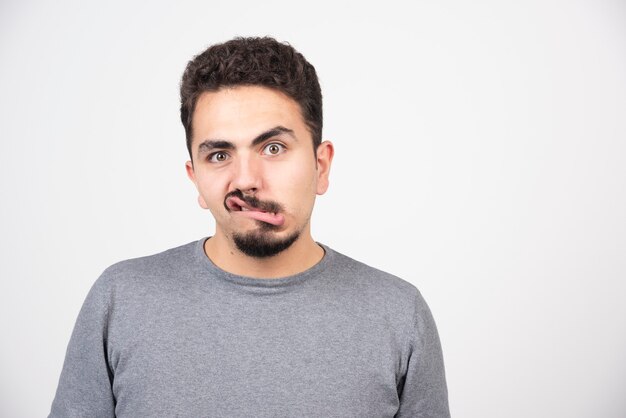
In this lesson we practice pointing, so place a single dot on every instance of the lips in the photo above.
(239, 207)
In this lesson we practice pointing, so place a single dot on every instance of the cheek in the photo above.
(211, 192)
(299, 192)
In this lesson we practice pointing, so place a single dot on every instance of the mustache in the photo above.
(266, 205)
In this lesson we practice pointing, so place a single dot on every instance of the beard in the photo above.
(261, 243)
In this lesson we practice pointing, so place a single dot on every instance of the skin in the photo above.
(280, 167)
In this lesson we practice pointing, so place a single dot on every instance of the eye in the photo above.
(218, 157)
(273, 149)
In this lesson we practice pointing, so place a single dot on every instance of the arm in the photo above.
(84, 388)
(423, 391)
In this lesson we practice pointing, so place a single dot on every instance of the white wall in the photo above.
(480, 152)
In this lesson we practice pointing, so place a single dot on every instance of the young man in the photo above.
(257, 320)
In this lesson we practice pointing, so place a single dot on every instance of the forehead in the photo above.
(242, 112)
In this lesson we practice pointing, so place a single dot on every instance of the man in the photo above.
(257, 320)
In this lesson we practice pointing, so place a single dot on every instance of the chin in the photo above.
(261, 244)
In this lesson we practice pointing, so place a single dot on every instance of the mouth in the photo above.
(236, 205)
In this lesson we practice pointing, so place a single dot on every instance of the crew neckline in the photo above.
(286, 281)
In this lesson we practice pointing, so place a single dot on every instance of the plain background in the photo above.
(480, 152)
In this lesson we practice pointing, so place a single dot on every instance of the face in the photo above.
(255, 168)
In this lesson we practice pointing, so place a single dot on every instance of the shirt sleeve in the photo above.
(423, 391)
(84, 388)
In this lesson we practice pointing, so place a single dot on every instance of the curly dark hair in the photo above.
(253, 61)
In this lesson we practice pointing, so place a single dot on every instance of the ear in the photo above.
(324, 158)
(192, 176)
(190, 173)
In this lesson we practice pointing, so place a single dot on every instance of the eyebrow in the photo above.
(211, 144)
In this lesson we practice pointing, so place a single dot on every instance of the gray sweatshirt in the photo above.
(173, 335)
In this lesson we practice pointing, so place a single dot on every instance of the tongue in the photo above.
(251, 212)
(274, 219)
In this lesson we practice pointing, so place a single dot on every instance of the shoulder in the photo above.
(377, 285)
(385, 296)
(173, 262)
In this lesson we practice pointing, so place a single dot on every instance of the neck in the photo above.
(303, 254)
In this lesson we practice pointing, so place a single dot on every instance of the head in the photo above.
(253, 62)
(252, 113)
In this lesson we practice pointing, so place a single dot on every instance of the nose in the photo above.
(246, 174)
